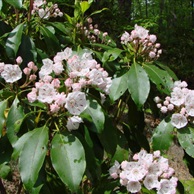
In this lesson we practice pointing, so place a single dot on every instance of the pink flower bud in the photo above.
(163, 109)
(157, 45)
(19, 60)
(27, 71)
(152, 54)
(32, 77)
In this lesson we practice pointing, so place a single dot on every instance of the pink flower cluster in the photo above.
(46, 10)
(64, 80)
(92, 33)
(150, 170)
(142, 43)
(180, 103)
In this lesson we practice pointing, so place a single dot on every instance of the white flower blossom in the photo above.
(178, 120)
(76, 102)
(73, 123)
(11, 73)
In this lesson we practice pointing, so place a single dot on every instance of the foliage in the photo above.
(73, 98)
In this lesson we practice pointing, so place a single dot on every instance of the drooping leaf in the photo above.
(186, 140)
(118, 87)
(68, 159)
(13, 41)
(159, 77)
(15, 114)
(95, 112)
(15, 3)
(32, 156)
(162, 137)
(138, 84)
(3, 105)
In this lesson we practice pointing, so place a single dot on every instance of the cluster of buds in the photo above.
(180, 104)
(150, 170)
(142, 43)
(63, 82)
(46, 10)
(92, 33)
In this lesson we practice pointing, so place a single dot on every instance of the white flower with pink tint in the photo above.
(151, 181)
(115, 170)
(133, 186)
(47, 68)
(32, 96)
(60, 99)
(46, 93)
(58, 68)
(76, 102)
(178, 120)
(54, 108)
(141, 32)
(73, 123)
(189, 103)
(11, 73)
(177, 96)
(166, 187)
(152, 38)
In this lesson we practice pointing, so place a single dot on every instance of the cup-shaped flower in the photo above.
(133, 186)
(178, 120)
(11, 73)
(76, 102)
(73, 122)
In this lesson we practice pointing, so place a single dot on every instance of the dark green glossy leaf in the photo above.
(68, 159)
(138, 84)
(111, 54)
(13, 41)
(159, 77)
(118, 87)
(162, 136)
(186, 140)
(15, 114)
(95, 112)
(32, 155)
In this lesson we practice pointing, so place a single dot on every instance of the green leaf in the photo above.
(32, 156)
(95, 112)
(188, 186)
(68, 159)
(138, 84)
(4, 170)
(84, 6)
(3, 106)
(50, 39)
(108, 137)
(98, 11)
(15, 114)
(159, 77)
(162, 136)
(166, 68)
(13, 41)
(186, 140)
(118, 87)
(1, 4)
(15, 3)
(111, 55)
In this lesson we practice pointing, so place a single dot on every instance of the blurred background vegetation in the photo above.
(171, 20)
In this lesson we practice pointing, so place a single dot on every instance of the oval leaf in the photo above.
(186, 140)
(15, 114)
(159, 77)
(162, 137)
(138, 84)
(95, 112)
(32, 156)
(68, 159)
(13, 41)
(118, 87)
